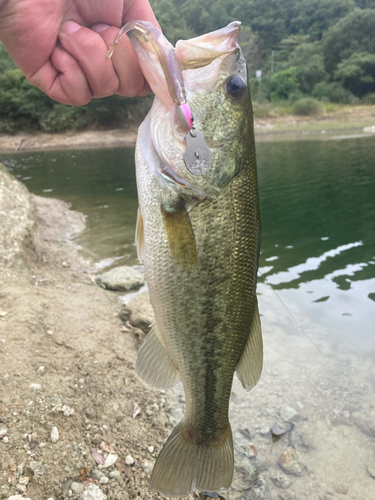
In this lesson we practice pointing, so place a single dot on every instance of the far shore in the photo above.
(345, 122)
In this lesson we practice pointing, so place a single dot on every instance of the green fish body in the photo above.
(199, 238)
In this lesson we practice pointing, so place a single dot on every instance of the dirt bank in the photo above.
(66, 362)
(277, 125)
(68, 140)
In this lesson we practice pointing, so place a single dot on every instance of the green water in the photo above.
(318, 216)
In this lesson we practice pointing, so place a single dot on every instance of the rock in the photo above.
(41, 370)
(55, 435)
(151, 449)
(3, 431)
(65, 486)
(115, 474)
(103, 480)
(110, 460)
(147, 466)
(291, 463)
(341, 489)
(288, 414)
(129, 460)
(247, 482)
(16, 219)
(122, 278)
(98, 474)
(21, 488)
(77, 487)
(264, 431)
(35, 387)
(281, 482)
(93, 492)
(139, 312)
(18, 497)
(23, 480)
(281, 428)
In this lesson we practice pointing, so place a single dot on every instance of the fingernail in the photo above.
(69, 27)
(98, 28)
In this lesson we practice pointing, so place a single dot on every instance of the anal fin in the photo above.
(180, 234)
(249, 368)
(153, 365)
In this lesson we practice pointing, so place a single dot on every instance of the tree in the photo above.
(285, 83)
(172, 23)
(308, 58)
(354, 33)
(316, 16)
(357, 73)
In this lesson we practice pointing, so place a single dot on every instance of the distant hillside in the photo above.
(321, 49)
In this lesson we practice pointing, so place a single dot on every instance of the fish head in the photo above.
(215, 86)
(215, 77)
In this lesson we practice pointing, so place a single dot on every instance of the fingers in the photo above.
(124, 61)
(62, 78)
(89, 49)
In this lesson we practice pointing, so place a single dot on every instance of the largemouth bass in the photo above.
(198, 234)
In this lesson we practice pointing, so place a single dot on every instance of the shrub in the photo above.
(369, 98)
(284, 84)
(307, 107)
(333, 92)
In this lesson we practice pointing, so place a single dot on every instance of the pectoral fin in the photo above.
(140, 236)
(153, 365)
(180, 234)
(250, 365)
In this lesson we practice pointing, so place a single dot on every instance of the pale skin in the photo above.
(61, 46)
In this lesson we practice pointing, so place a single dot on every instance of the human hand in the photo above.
(61, 46)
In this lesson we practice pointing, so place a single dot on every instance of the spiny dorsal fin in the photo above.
(140, 236)
(180, 234)
(153, 365)
(250, 365)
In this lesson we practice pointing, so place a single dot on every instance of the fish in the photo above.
(198, 235)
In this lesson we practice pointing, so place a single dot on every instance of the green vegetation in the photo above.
(308, 51)
(307, 107)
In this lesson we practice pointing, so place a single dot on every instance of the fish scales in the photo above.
(200, 245)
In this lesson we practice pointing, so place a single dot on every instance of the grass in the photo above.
(280, 117)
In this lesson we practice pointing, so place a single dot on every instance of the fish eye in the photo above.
(236, 86)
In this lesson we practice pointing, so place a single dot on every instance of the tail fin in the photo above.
(183, 466)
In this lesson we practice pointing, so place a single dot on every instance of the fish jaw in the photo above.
(202, 50)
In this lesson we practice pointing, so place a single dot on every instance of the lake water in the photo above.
(316, 296)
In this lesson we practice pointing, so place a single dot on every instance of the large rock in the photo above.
(122, 278)
(16, 218)
(139, 312)
(32, 226)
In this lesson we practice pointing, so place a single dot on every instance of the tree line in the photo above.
(321, 49)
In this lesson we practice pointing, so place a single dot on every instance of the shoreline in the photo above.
(286, 127)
